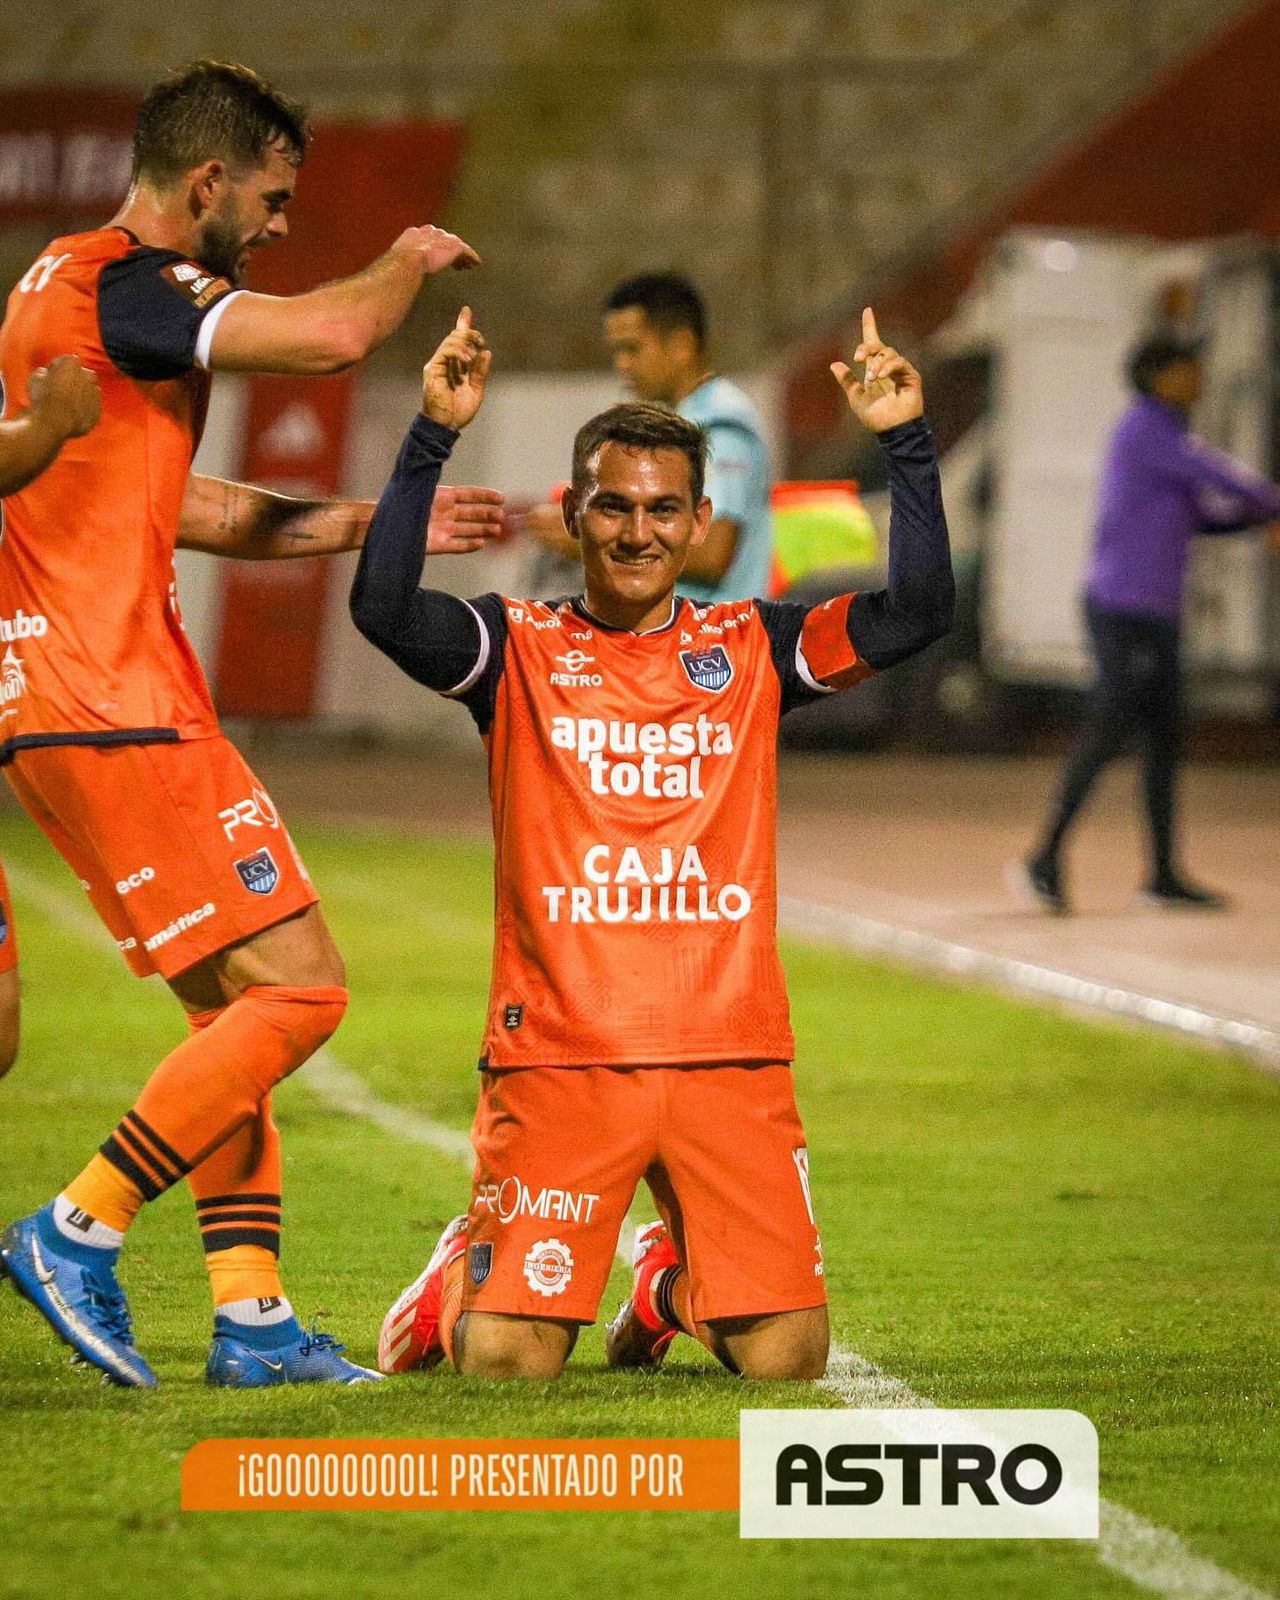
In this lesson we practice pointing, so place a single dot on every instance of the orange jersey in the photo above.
(633, 784)
(92, 647)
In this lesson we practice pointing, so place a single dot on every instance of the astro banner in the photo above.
(359, 187)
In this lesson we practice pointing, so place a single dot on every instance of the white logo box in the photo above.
(918, 1474)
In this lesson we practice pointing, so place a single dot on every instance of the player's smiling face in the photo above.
(635, 521)
(247, 214)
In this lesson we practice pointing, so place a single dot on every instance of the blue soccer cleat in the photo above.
(74, 1287)
(258, 1358)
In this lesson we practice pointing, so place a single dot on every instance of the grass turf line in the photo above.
(1019, 1209)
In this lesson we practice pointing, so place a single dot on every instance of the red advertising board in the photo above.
(64, 154)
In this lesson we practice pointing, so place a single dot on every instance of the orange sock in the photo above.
(244, 1272)
(237, 1194)
(203, 1092)
(103, 1192)
(451, 1304)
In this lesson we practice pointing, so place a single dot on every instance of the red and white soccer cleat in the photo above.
(637, 1337)
(410, 1334)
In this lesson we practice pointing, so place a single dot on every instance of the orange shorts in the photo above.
(560, 1150)
(178, 846)
(8, 930)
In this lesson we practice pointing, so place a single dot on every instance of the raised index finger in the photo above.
(870, 333)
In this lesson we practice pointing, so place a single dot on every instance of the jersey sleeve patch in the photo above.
(152, 305)
(200, 287)
(825, 658)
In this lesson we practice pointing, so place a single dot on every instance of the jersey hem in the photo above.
(106, 737)
(485, 1065)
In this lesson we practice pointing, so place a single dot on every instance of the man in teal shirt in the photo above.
(656, 329)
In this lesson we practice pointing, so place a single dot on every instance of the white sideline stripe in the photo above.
(346, 1091)
(1150, 1556)
(832, 925)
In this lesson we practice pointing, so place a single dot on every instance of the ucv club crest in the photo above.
(258, 872)
(708, 669)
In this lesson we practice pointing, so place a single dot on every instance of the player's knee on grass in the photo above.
(486, 1345)
(9, 1020)
(789, 1347)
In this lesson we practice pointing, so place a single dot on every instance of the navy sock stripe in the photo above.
(229, 1238)
(246, 1199)
(114, 1152)
(161, 1146)
(161, 1172)
(662, 1299)
(270, 1219)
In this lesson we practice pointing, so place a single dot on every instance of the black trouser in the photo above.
(1137, 696)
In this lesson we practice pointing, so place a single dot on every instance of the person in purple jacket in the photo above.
(1161, 486)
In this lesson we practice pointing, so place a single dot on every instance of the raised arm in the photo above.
(338, 324)
(65, 403)
(888, 625)
(436, 638)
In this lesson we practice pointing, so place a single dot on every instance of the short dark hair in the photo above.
(213, 110)
(1146, 361)
(642, 425)
(669, 301)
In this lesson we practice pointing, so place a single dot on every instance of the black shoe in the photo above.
(1176, 894)
(1039, 878)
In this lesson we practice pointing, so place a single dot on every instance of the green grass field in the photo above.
(1019, 1209)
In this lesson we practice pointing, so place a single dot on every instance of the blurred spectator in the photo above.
(656, 328)
(1160, 487)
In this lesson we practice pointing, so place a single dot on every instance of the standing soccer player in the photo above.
(111, 736)
(638, 1020)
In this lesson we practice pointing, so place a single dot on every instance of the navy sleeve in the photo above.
(784, 622)
(888, 625)
(151, 304)
(453, 646)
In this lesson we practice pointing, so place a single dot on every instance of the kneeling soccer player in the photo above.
(638, 1021)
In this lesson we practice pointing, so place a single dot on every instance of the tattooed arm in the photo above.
(235, 519)
(248, 524)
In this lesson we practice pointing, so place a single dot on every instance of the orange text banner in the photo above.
(461, 1475)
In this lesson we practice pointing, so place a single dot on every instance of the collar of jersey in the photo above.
(579, 604)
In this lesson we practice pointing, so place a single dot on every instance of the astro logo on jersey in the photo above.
(708, 669)
(575, 675)
(258, 872)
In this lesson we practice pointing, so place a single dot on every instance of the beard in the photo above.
(222, 245)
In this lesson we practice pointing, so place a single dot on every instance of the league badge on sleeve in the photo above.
(258, 872)
(708, 669)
